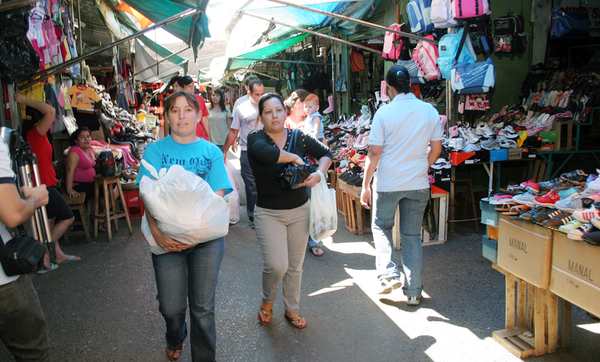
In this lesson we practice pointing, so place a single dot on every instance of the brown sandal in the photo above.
(297, 318)
(267, 314)
(173, 354)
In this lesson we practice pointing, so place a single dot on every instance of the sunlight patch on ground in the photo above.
(592, 327)
(361, 247)
(335, 287)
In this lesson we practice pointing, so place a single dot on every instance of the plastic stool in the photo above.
(134, 204)
(109, 200)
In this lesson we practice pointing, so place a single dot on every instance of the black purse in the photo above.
(21, 255)
(292, 176)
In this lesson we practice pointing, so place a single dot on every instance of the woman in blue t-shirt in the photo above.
(187, 271)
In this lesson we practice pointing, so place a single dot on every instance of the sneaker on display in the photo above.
(525, 199)
(490, 144)
(577, 234)
(577, 176)
(531, 186)
(548, 199)
(468, 134)
(570, 204)
(586, 215)
(441, 163)
(558, 221)
(484, 130)
(508, 132)
(592, 238)
(471, 147)
(553, 184)
(456, 144)
(596, 222)
(507, 143)
(570, 226)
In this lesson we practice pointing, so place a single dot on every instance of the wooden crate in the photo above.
(357, 218)
(441, 214)
(536, 311)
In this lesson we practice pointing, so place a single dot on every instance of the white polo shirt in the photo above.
(404, 128)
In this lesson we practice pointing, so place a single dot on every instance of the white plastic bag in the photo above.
(184, 206)
(323, 211)
(236, 181)
(234, 206)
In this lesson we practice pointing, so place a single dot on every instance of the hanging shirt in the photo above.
(83, 97)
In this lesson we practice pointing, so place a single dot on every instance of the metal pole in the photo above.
(15, 4)
(357, 21)
(3, 110)
(281, 61)
(59, 68)
(79, 26)
(14, 108)
(315, 33)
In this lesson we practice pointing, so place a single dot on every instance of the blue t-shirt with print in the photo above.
(200, 157)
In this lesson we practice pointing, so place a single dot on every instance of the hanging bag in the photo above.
(471, 9)
(394, 45)
(416, 76)
(448, 49)
(323, 211)
(419, 16)
(574, 24)
(441, 14)
(425, 56)
(509, 33)
(471, 78)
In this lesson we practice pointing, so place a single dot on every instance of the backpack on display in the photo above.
(394, 45)
(474, 104)
(419, 16)
(448, 48)
(425, 56)
(574, 24)
(509, 33)
(472, 78)
(106, 163)
(416, 76)
(469, 9)
(441, 14)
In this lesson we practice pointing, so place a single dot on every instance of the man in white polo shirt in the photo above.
(245, 120)
(400, 134)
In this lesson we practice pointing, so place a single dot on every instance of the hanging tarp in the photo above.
(144, 57)
(159, 49)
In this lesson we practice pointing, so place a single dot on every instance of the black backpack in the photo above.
(509, 33)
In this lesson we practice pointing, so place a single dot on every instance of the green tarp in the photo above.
(263, 52)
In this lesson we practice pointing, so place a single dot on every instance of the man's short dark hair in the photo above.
(399, 78)
(249, 79)
(252, 84)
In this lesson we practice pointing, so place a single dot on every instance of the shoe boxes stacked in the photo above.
(575, 273)
(490, 217)
(441, 179)
(134, 204)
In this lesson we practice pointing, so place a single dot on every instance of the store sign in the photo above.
(594, 13)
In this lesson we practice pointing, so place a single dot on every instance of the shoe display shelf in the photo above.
(568, 145)
(441, 214)
(357, 218)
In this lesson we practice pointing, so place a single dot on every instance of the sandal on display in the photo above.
(173, 354)
(316, 250)
(503, 207)
(517, 210)
(264, 316)
(296, 321)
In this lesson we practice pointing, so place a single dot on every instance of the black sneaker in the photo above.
(577, 176)
(251, 221)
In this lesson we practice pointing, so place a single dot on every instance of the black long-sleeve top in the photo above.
(263, 154)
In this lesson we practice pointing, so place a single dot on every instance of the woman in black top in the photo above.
(281, 216)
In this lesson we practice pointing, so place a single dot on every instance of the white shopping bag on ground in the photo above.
(323, 211)
(184, 206)
(236, 181)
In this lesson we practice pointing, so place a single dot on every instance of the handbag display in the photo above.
(472, 78)
(292, 176)
(21, 255)
(574, 24)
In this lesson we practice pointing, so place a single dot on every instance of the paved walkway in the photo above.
(104, 308)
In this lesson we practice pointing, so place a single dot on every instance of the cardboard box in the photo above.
(489, 249)
(442, 180)
(492, 232)
(514, 153)
(456, 158)
(489, 215)
(498, 155)
(479, 157)
(529, 152)
(533, 141)
(547, 148)
(525, 250)
(575, 274)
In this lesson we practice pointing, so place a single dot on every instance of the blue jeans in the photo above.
(249, 183)
(412, 207)
(190, 274)
(22, 322)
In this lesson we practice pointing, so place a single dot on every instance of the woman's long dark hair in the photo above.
(221, 101)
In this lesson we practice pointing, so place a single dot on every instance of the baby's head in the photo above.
(311, 104)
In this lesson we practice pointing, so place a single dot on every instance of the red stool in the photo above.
(134, 204)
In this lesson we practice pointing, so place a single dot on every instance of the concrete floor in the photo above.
(103, 308)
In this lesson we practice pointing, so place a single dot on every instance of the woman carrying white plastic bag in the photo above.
(186, 271)
(323, 211)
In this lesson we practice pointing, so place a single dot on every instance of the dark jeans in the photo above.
(248, 177)
(190, 274)
(22, 322)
